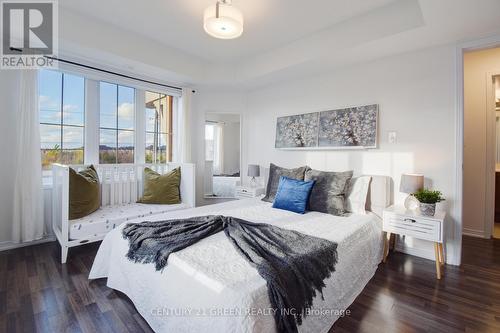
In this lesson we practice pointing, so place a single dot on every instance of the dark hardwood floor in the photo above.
(39, 294)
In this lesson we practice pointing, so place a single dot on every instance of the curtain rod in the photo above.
(103, 70)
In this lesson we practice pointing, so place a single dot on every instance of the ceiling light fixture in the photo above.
(223, 21)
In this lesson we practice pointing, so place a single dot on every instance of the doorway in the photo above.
(481, 149)
(496, 94)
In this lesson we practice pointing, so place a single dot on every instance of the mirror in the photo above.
(222, 155)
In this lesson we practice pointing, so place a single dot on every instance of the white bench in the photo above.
(121, 185)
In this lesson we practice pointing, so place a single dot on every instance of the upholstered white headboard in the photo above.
(379, 194)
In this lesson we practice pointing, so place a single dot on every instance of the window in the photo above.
(62, 105)
(158, 127)
(209, 142)
(214, 132)
(89, 118)
(117, 105)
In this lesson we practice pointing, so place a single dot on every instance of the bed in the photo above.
(210, 287)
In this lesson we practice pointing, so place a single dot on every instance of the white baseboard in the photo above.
(4, 246)
(474, 233)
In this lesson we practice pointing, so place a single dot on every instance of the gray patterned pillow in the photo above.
(275, 172)
(328, 193)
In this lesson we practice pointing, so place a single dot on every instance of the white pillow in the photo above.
(357, 193)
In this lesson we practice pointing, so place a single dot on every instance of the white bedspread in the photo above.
(209, 287)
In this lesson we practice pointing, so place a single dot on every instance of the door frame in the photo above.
(491, 153)
(473, 45)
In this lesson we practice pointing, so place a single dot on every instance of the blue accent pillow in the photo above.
(293, 194)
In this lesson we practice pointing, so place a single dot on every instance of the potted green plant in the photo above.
(428, 199)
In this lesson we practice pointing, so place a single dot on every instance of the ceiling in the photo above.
(286, 36)
(179, 23)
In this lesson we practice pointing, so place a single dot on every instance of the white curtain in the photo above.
(28, 224)
(218, 149)
(184, 126)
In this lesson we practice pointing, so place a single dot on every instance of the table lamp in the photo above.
(411, 183)
(253, 171)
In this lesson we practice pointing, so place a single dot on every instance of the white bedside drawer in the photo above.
(244, 192)
(397, 220)
(417, 227)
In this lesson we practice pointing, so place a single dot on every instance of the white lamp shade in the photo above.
(228, 25)
(411, 183)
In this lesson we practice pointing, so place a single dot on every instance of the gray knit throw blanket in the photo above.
(294, 265)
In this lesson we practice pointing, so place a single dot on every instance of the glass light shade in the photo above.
(228, 25)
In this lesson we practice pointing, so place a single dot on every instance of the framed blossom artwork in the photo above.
(300, 131)
(349, 128)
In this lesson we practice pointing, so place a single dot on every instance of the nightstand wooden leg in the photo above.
(438, 262)
(441, 253)
(386, 245)
(392, 242)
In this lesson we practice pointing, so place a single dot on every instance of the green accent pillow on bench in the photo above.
(84, 197)
(161, 189)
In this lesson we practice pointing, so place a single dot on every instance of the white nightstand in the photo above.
(398, 220)
(244, 192)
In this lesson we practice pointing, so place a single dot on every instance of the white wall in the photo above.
(97, 42)
(416, 96)
(476, 66)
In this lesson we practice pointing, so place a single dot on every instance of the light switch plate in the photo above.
(392, 136)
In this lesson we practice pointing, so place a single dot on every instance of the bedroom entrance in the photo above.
(222, 155)
(481, 160)
(496, 224)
